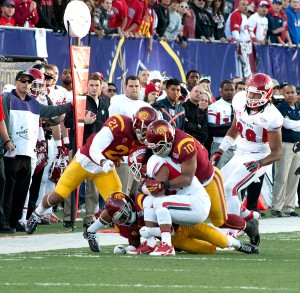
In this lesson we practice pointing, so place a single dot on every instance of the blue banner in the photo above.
(117, 58)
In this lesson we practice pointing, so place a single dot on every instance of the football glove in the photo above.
(107, 166)
(215, 158)
(253, 165)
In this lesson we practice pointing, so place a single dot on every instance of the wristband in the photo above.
(166, 184)
(66, 140)
(6, 142)
(226, 143)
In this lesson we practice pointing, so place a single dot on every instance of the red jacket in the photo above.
(23, 14)
(6, 21)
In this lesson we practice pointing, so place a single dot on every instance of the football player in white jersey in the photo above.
(258, 124)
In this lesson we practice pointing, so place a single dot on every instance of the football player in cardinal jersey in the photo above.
(128, 217)
(164, 140)
(257, 123)
(95, 160)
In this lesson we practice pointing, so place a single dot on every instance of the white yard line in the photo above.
(44, 242)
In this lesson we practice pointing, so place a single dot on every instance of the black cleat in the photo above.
(248, 248)
(32, 223)
(253, 232)
(92, 240)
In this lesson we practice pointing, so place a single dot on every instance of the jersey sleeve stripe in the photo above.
(119, 117)
(182, 142)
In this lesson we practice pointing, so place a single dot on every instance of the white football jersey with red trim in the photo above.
(254, 127)
(155, 163)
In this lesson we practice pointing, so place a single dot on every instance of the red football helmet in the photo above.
(121, 208)
(160, 136)
(58, 167)
(262, 84)
(41, 155)
(137, 162)
(143, 117)
(38, 84)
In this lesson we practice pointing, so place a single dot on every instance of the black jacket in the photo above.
(102, 114)
(195, 121)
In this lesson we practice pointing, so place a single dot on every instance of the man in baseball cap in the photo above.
(8, 10)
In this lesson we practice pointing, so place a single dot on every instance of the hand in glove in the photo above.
(216, 158)
(107, 165)
(253, 165)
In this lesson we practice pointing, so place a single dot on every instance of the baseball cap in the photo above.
(263, 3)
(152, 87)
(251, 8)
(283, 84)
(24, 73)
(155, 75)
(277, 2)
(8, 3)
(205, 77)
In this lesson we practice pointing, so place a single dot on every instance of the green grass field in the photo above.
(275, 269)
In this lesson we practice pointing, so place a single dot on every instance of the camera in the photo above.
(277, 99)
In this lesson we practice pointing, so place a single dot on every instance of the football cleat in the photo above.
(253, 232)
(163, 250)
(253, 215)
(248, 248)
(32, 223)
(142, 249)
(92, 240)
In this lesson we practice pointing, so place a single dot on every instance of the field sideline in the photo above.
(45, 242)
(63, 262)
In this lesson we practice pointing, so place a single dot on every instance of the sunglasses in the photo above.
(111, 90)
(25, 81)
(183, 6)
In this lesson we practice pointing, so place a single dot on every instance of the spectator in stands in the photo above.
(293, 20)
(91, 6)
(144, 80)
(277, 25)
(7, 13)
(174, 28)
(208, 6)
(59, 8)
(258, 24)
(192, 79)
(236, 24)
(134, 18)
(46, 16)
(189, 24)
(285, 179)
(218, 17)
(119, 15)
(171, 111)
(220, 116)
(204, 23)
(228, 9)
(196, 114)
(26, 14)
(163, 16)
(148, 24)
(97, 113)
(240, 86)
(102, 20)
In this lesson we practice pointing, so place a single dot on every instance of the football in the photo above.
(89, 114)
(119, 249)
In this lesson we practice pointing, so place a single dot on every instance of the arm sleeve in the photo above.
(69, 117)
(291, 124)
(235, 22)
(100, 142)
(51, 111)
